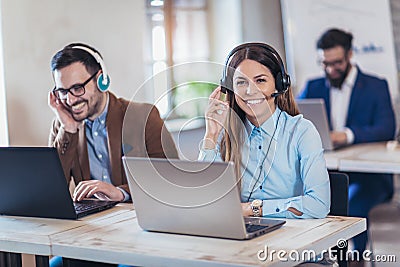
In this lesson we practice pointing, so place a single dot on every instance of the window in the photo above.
(179, 34)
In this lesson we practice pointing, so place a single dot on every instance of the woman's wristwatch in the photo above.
(256, 205)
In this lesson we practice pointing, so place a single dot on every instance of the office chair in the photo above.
(339, 204)
(339, 193)
(339, 183)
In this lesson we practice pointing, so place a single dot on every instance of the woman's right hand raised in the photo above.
(63, 115)
(216, 115)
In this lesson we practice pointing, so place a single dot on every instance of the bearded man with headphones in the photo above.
(87, 130)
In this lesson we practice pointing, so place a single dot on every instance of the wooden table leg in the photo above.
(341, 254)
(8, 259)
(3, 259)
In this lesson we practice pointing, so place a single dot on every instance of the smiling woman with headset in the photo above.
(277, 153)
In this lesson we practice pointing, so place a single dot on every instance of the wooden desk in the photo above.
(114, 236)
(368, 157)
(119, 239)
(33, 235)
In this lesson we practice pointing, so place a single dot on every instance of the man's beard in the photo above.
(80, 116)
(337, 82)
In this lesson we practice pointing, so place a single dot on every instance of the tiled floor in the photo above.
(385, 229)
(385, 232)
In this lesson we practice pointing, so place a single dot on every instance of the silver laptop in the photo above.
(314, 110)
(190, 197)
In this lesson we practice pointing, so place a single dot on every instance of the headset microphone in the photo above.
(276, 94)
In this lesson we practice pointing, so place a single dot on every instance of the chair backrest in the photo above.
(339, 193)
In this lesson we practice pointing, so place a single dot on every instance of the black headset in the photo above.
(282, 80)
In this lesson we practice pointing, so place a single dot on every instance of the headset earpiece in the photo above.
(226, 84)
(282, 82)
(103, 81)
(279, 82)
(223, 86)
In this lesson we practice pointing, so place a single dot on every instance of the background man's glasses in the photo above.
(334, 64)
(75, 90)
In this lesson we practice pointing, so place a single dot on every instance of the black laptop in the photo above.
(32, 183)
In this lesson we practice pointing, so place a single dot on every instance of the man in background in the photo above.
(359, 110)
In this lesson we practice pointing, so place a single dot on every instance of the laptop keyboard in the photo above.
(250, 228)
(86, 205)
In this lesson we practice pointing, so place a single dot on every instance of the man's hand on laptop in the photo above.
(338, 138)
(99, 189)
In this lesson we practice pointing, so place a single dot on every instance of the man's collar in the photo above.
(351, 77)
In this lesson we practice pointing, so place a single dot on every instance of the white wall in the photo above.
(237, 21)
(262, 22)
(226, 27)
(34, 30)
(3, 107)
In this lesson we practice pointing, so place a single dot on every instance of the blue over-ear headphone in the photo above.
(103, 81)
(282, 79)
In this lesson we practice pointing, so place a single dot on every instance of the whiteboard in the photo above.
(368, 20)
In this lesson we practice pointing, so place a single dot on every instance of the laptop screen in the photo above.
(32, 183)
(315, 111)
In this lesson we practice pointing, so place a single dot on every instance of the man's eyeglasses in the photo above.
(75, 90)
(334, 64)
